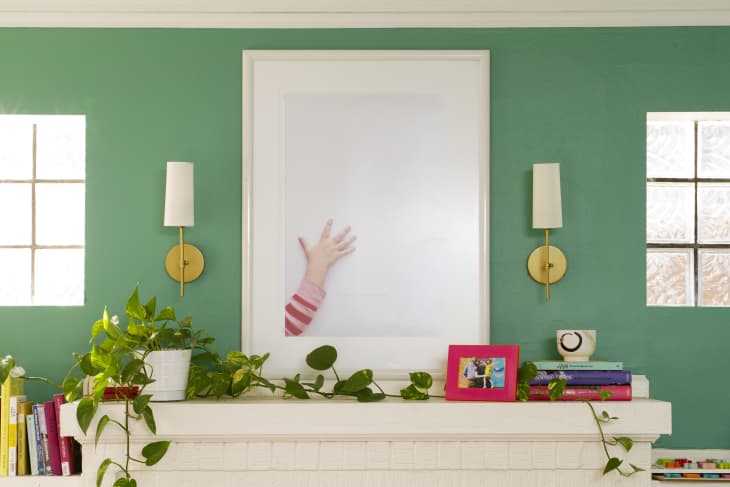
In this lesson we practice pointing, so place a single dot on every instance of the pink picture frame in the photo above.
(482, 372)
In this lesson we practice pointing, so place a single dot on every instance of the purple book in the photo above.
(583, 377)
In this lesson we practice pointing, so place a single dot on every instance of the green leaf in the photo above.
(151, 306)
(85, 412)
(556, 387)
(238, 359)
(186, 322)
(100, 359)
(134, 309)
(322, 358)
(258, 362)
(240, 381)
(166, 314)
(100, 427)
(523, 391)
(136, 330)
(97, 328)
(526, 373)
(71, 388)
(604, 394)
(153, 452)
(422, 380)
(612, 464)
(149, 419)
(339, 386)
(317, 384)
(635, 468)
(358, 380)
(412, 393)
(102, 470)
(295, 389)
(132, 368)
(625, 442)
(367, 395)
(140, 402)
(124, 482)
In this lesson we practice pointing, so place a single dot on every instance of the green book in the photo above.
(590, 365)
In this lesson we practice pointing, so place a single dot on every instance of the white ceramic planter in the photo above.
(170, 370)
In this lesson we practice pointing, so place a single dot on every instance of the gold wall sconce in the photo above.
(546, 264)
(184, 262)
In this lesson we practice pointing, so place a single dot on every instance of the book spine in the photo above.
(577, 393)
(13, 386)
(23, 411)
(15, 402)
(64, 442)
(43, 433)
(583, 377)
(560, 365)
(54, 453)
(32, 446)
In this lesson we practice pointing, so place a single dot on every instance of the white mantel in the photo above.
(399, 443)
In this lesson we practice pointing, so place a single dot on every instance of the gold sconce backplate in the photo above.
(194, 263)
(536, 264)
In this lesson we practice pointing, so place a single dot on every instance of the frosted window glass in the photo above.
(713, 149)
(670, 149)
(15, 214)
(713, 209)
(15, 277)
(59, 277)
(60, 214)
(61, 150)
(670, 212)
(16, 148)
(669, 277)
(714, 278)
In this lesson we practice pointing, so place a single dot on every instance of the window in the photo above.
(688, 209)
(42, 192)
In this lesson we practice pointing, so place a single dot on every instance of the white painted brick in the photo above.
(576, 478)
(402, 455)
(235, 456)
(259, 455)
(546, 478)
(211, 456)
(544, 455)
(378, 455)
(184, 456)
(449, 456)
(592, 456)
(307, 455)
(283, 455)
(570, 454)
(375, 478)
(522, 478)
(425, 454)
(447, 478)
(496, 455)
(355, 455)
(520, 455)
(331, 455)
(472, 455)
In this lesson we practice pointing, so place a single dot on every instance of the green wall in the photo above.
(577, 96)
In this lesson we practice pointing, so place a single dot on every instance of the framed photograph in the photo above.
(482, 372)
(365, 206)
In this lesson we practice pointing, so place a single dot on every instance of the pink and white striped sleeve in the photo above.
(302, 307)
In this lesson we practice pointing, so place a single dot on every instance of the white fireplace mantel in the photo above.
(395, 442)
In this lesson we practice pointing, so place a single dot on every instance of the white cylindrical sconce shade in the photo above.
(179, 195)
(547, 209)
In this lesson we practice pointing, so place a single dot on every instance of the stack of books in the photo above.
(585, 380)
(30, 440)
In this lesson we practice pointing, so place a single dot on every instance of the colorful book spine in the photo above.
(15, 401)
(54, 452)
(583, 377)
(45, 460)
(578, 393)
(32, 445)
(65, 443)
(13, 386)
(590, 365)
(24, 409)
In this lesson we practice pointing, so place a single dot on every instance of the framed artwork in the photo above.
(365, 206)
(482, 372)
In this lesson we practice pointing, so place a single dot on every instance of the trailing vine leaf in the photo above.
(422, 380)
(102, 470)
(635, 468)
(295, 389)
(412, 393)
(367, 395)
(85, 412)
(322, 358)
(153, 452)
(241, 380)
(317, 384)
(103, 421)
(604, 394)
(149, 419)
(556, 388)
(624, 441)
(612, 464)
(357, 381)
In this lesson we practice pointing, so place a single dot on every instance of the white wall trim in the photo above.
(359, 13)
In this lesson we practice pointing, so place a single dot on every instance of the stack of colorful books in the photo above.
(584, 380)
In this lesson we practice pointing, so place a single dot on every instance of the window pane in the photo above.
(61, 152)
(670, 212)
(713, 149)
(669, 277)
(15, 214)
(59, 277)
(713, 210)
(16, 148)
(15, 277)
(714, 278)
(60, 213)
(670, 150)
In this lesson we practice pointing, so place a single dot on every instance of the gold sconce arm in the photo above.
(184, 263)
(547, 264)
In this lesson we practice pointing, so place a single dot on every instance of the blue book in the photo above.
(590, 365)
(38, 442)
(583, 377)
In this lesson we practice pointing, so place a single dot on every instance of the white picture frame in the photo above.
(379, 114)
